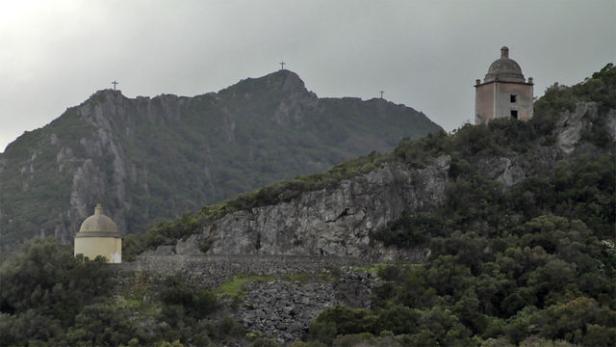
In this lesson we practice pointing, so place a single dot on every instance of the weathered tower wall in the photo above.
(484, 102)
(504, 92)
(497, 100)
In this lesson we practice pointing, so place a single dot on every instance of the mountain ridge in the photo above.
(149, 158)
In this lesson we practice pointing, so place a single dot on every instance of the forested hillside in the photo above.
(525, 256)
(529, 264)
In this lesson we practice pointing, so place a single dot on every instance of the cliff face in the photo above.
(152, 158)
(341, 219)
(334, 221)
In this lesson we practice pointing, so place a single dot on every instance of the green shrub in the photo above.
(265, 342)
(197, 303)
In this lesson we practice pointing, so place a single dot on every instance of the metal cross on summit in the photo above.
(282, 64)
(115, 83)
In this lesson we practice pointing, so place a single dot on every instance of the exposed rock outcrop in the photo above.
(572, 125)
(335, 221)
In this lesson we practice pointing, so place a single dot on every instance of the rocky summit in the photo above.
(147, 159)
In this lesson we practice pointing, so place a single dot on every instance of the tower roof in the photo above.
(98, 225)
(504, 69)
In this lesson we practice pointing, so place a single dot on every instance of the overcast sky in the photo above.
(425, 54)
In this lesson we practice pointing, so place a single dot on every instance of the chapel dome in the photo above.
(99, 224)
(504, 69)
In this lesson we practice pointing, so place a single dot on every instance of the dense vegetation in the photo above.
(50, 298)
(549, 276)
(532, 264)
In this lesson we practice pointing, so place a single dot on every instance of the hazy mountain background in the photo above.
(151, 158)
(422, 53)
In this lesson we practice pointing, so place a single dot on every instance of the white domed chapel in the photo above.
(99, 236)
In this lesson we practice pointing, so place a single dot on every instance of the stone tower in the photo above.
(504, 93)
(99, 235)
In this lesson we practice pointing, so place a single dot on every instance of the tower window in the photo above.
(514, 114)
(513, 98)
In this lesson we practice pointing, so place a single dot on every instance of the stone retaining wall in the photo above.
(211, 271)
(283, 309)
(283, 306)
